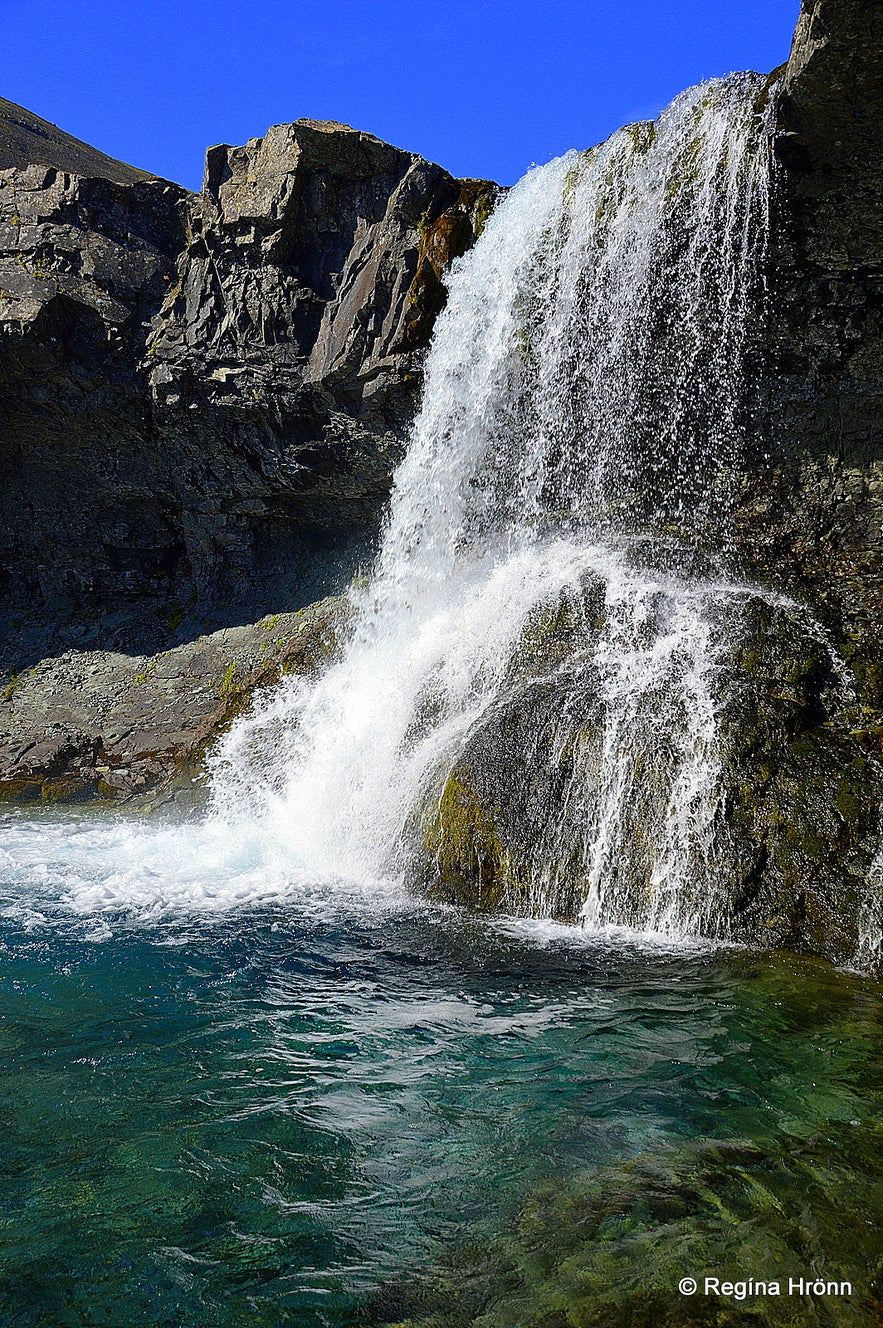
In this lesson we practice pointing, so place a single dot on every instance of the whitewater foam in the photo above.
(586, 387)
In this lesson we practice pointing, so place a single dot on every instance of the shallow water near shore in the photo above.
(222, 1107)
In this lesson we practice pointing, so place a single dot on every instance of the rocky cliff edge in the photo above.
(202, 397)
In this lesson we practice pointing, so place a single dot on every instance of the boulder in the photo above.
(774, 842)
(133, 730)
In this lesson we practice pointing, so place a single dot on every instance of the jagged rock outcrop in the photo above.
(284, 363)
(202, 397)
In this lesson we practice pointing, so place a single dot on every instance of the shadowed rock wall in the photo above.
(812, 516)
(202, 398)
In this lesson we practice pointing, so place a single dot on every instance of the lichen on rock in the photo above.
(133, 732)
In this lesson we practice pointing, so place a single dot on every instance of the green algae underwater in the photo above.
(309, 1107)
(771, 1184)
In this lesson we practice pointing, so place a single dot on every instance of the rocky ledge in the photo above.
(133, 729)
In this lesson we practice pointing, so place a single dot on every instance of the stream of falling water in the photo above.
(585, 404)
(249, 1079)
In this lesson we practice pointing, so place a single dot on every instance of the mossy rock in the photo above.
(791, 861)
(609, 1250)
(20, 790)
(67, 789)
(306, 653)
(480, 836)
(463, 842)
(804, 805)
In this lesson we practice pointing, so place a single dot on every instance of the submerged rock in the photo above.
(610, 1251)
(769, 1169)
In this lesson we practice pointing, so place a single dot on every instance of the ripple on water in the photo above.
(222, 1107)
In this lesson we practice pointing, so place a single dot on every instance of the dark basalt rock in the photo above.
(796, 834)
(88, 523)
(202, 398)
(810, 520)
(284, 364)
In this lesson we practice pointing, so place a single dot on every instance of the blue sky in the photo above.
(485, 87)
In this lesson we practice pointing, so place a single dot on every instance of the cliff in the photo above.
(202, 397)
(812, 516)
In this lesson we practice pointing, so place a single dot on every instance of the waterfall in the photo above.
(587, 397)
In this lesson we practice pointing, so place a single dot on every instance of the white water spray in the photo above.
(584, 408)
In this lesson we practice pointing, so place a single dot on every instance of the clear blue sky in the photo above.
(485, 87)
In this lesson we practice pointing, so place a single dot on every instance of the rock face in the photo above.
(283, 365)
(812, 515)
(202, 397)
(798, 834)
(88, 524)
(790, 844)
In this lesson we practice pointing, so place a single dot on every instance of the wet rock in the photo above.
(802, 807)
(810, 514)
(788, 857)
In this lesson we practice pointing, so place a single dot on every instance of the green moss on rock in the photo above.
(463, 843)
(793, 847)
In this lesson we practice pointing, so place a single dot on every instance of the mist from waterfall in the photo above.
(587, 398)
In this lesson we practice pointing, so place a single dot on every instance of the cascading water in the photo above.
(247, 1078)
(585, 404)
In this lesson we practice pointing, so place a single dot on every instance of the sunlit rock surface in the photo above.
(202, 398)
(121, 728)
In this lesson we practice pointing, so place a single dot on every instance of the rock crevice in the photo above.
(203, 397)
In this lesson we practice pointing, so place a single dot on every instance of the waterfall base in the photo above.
(670, 756)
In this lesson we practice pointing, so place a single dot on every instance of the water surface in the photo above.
(246, 1098)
